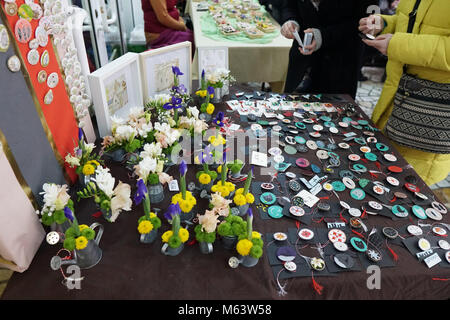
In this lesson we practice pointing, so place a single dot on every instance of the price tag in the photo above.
(309, 199)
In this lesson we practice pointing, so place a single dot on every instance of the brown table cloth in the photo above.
(130, 270)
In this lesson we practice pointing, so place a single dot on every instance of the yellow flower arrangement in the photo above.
(88, 169)
(187, 204)
(204, 178)
(210, 108)
(201, 93)
(183, 234)
(81, 243)
(244, 246)
(256, 235)
(94, 162)
(250, 198)
(145, 227)
(240, 199)
(224, 190)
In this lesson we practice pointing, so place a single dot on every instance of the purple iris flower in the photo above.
(141, 192)
(181, 89)
(176, 71)
(183, 167)
(203, 74)
(172, 211)
(219, 119)
(80, 134)
(250, 212)
(175, 103)
(68, 213)
(78, 153)
(210, 90)
(206, 155)
(224, 157)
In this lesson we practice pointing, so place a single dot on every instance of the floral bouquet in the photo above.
(218, 77)
(55, 200)
(77, 236)
(167, 137)
(174, 239)
(192, 122)
(180, 97)
(220, 205)
(217, 139)
(243, 198)
(148, 224)
(235, 167)
(150, 171)
(205, 231)
(230, 229)
(250, 244)
(206, 177)
(110, 200)
(223, 187)
(184, 199)
(83, 157)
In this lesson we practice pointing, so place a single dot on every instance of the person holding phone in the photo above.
(414, 106)
(332, 59)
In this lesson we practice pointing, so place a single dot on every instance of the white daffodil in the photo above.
(104, 180)
(151, 150)
(121, 200)
(125, 132)
(145, 167)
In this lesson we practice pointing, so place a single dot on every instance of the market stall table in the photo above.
(131, 270)
(246, 59)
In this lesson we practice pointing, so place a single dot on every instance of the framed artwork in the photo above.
(115, 89)
(212, 58)
(156, 66)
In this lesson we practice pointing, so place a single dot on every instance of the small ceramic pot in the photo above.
(149, 237)
(156, 193)
(248, 261)
(206, 247)
(168, 251)
(229, 242)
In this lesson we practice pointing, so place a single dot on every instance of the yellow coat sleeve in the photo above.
(424, 50)
(391, 22)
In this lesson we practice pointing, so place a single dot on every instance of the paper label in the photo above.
(259, 159)
(432, 260)
(309, 199)
(334, 225)
(173, 185)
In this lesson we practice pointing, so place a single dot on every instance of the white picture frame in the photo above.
(212, 58)
(116, 88)
(156, 66)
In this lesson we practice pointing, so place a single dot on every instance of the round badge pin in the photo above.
(42, 76)
(48, 98)
(276, 128)
(364, 149)
(52, 237)
(439, 207)
(45, 59)
(340, 246)
(439, 231)
(392, 181)
(275, 212)
(411, 187)
(317, 127)
(298, 201)
(357, 194)
(344, 205)
(399, 211)
(317, 264)
(25, 12)
(305, 234)
(338, 186)
(294, 186)
(424, 244)
(358, 244)
(419, 212)
(369, 133)
(373, 255)
(290, 150)
(349, 183)
(315, 134)
(23, 31)
(333, 129)
(354, 157)
(300, 140)
(375, 205)
(344, 261)
(4, 39)
(382, 147)
(290, 140)
(447, 256)
(433, 214)
(359, 168)
(300, 125)
(280, 236)
(390, 233)
(371, 140)
(268, 198)
(52, 80)
(267, 186)
(395, 169)
(343, 124)
(290, 175)
(14, 63)
(278, 158)
(327, 186)
(344, 145)
(322, 154)
(370, 156)
(33, 57)
(354, 212)
(390, 157)
(336, 235)
(320, 144)
(360, 141)
(414, 230)
(421, 196)
(11, 8)
(275, 151)
(302, 162)
(443, 244)
(296, 211)
(37, 10)
(290, 266)
(378, 189)
(315, 169)
(363, 182)
(302, 148)
(286, 254)
(311, 145)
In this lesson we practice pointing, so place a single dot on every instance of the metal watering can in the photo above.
(86, 258)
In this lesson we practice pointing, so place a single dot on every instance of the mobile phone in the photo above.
(307, 41)
(366, 36)
(297, 37)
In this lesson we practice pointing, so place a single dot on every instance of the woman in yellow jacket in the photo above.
(426, 52)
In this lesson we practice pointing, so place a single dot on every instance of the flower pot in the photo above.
(206, 247)
(156, 193)
(229, 242)
(248, 261)
(106, 214)
(168, 251)
(237, 174)
(149, 237)
(116, 155)
(205, 116)
(85, 258)
(243, 209)
(84, 180)
(218, 94)
(60, 228)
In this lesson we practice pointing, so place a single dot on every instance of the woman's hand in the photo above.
(381, 43)
(311, 48)
(182, 23)
(373, 25)
(288, 28)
